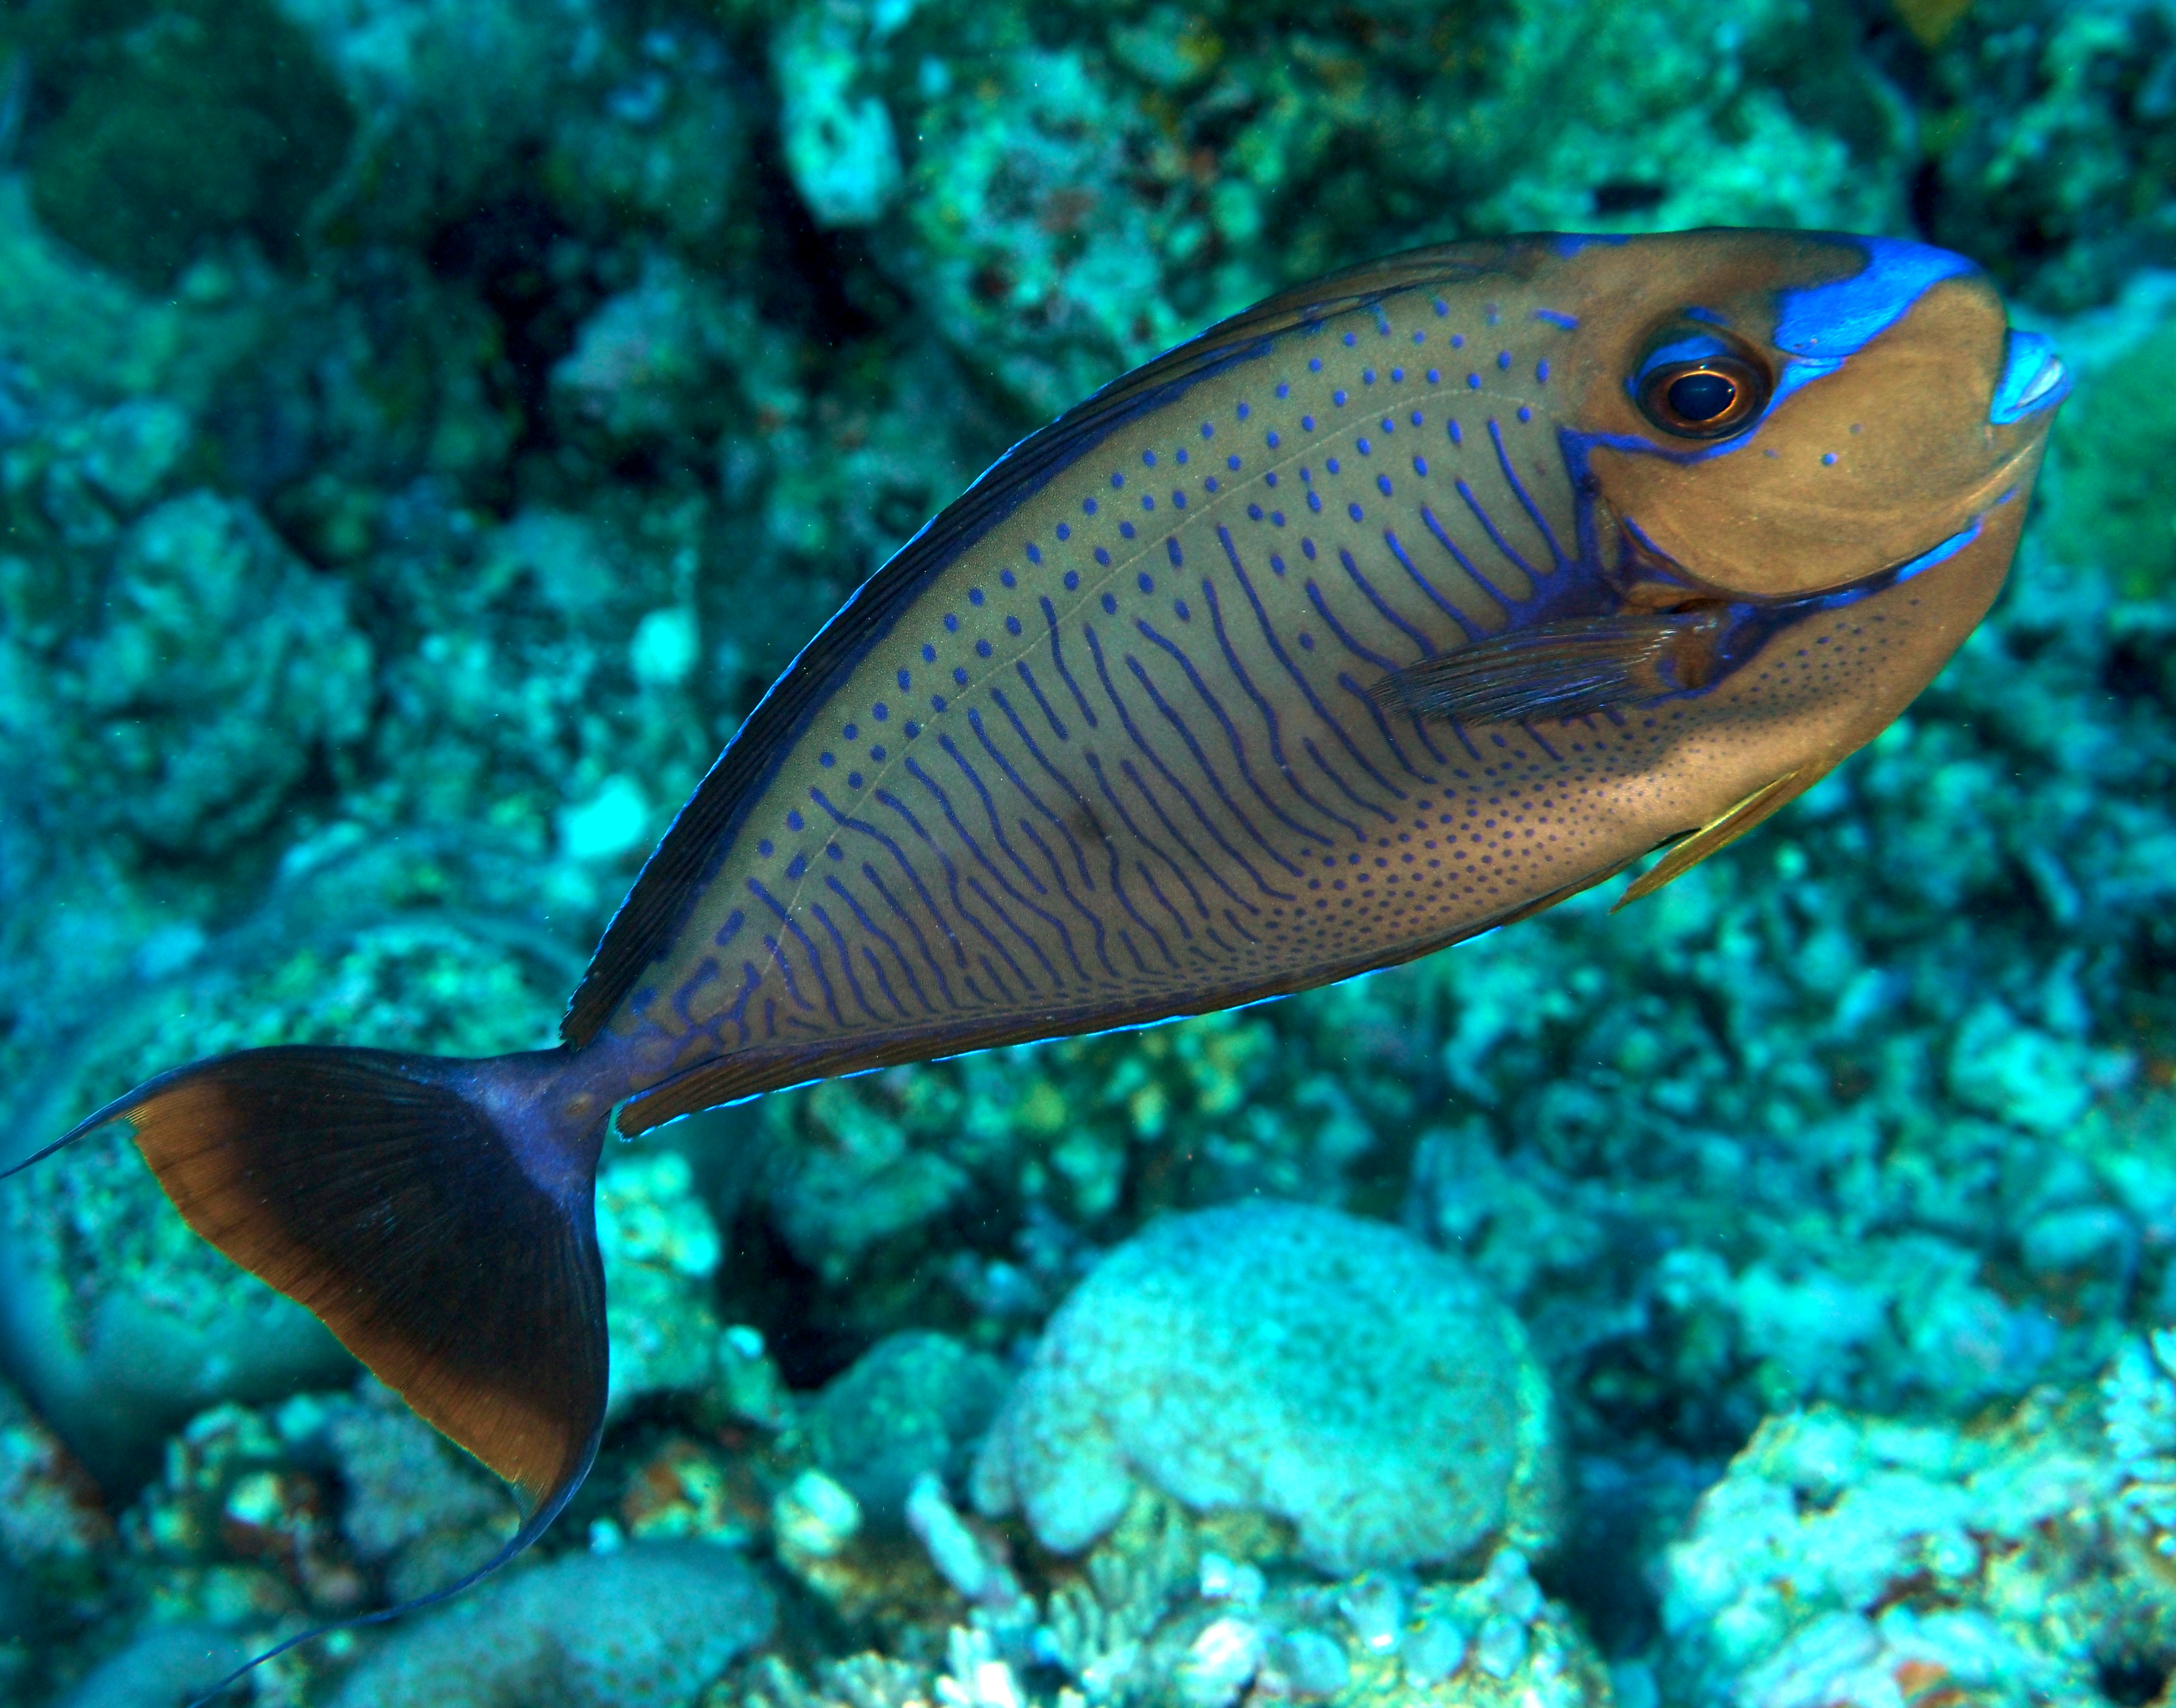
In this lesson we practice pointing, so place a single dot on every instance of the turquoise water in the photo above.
(425, 428)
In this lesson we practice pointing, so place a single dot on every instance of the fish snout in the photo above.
(2033, 379)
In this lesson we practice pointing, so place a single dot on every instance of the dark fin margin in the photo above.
(368, 1188)
(682, 863)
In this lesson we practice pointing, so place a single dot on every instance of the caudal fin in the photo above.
(454, 1255)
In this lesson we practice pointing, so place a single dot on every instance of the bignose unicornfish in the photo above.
(1397, 608)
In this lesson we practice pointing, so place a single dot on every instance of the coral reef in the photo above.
(1078, 195)
(414, 1507)
(1154, 1614)
(50, 1512)
(2012, 90)
(1864, 1560)
(426, 427)
(660, 1248)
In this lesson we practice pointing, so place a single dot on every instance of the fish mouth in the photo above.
(2034, 378)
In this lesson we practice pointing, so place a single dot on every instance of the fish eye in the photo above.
(1703, 399)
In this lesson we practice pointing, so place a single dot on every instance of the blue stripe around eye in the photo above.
(1698, 347)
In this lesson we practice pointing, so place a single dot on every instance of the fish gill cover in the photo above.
(427, 426)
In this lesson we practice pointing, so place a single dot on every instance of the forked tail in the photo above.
(416, 1205)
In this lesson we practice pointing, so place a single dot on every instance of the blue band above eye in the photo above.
(1824, 326)
(1832, 321)
(1696, 347)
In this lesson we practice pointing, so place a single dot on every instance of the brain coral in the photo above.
(1289, 1360)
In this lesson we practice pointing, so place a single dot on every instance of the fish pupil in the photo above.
(1702, 396)
(1705, 398)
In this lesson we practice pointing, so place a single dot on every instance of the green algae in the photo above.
(175, 124)
(2108, 501)
(2051, 141)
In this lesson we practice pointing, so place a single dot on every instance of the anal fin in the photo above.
(1721, 832)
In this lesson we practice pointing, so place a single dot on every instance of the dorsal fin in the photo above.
(684, 861)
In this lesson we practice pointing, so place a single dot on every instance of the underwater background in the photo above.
(426, 426)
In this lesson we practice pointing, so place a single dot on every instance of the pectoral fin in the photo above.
(1559, 670)
(1722, 831)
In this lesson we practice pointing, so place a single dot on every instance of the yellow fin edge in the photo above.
(1724, 831)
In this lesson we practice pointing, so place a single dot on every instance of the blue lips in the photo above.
(2033, 378)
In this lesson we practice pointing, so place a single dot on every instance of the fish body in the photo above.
(1400, 606)
(1102, 745)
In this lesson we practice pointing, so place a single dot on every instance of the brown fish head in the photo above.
(1836, 445)
(1802, 463)
(1772, 415)
(1832, 440)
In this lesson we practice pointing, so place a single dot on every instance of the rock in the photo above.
(840, 149)
(913, 1403)
(1288, 1360)
(665, 359)
(164, 1668)
(219, 664)
(647, 1627)
(178, 123)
